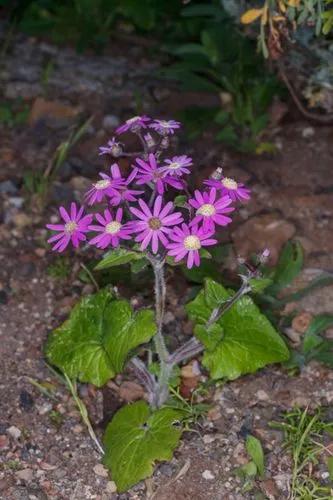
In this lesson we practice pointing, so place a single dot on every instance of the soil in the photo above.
(46, 452)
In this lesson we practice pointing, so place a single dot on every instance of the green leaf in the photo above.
(180, 201)
(245, 340)
(311, 337)
(94, 343)
(289, 266)
(247, 470)
(207, 269)
(136, 438)
(139, 265)
(258, 285)
(117, 257)
(254, 449)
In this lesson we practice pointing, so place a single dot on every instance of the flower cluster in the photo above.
(139, 209)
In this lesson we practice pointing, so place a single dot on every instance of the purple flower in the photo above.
(165, 127)
(148, 171)
(154, 225)
(107, 186)
(124, 193)
(230, 187)
(133, 124)
(177, 165)
(210, 211)
(74, 229)
(112, 230)
(188, 241)
(113, 148)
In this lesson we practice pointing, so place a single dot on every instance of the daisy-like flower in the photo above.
(154, 224)
(148, 171)
(111, 229)
(165, 127)
(113, 148)
(124, 193)
(133, 124)
(230, 187)
(107, 186)
(178, 165)
(74, 229)
(209, 210)
(188, 241)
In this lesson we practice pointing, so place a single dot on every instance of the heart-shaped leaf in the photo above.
(93, 344)
(241, 341)
(117, 257)
(136, 438)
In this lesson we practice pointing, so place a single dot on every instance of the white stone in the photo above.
(100, 470)
(111, 487)
(14, 432)
(207, 474)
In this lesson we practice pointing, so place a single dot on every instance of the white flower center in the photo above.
(192, 243)
(130, 121)
(229, 183)
(113, 227)
(174, 165)
(102, 184)
(207, 210)
(70, 227)
(164, 123)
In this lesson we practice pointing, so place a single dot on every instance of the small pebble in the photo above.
(14, 432)
(111, 487)
(100, 470)
(207, 474)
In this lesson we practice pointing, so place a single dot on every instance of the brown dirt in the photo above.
(45, 450)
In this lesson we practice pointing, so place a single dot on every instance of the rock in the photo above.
(24, 474)
(301, 322)
(21, 220)
(214, 413)
(65, 171)
(308, 132)
(100, 470)
(61, 194)
(51, 111)
(111, 487)
(80, 184)
(14, 432)
(26, 400)
(207, 474)
(4, 441)
(3, 297)
(131, 391)
(262, 395)
(270, 489)
(8, 187)
(110, 122)
(16, 201)
(77, 429)
(263, 231)
(40, 252)
(191, 370)
(209, 438)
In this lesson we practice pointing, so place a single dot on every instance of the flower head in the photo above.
(113, 148)
(124, 193)
(154, 224)
(210, 210)
(107, 186)
(165, 127)
(178, 165)
(133, 124)
(111, 229)
(148, 171)
(74, 229)
(230, 187)
(188, 241)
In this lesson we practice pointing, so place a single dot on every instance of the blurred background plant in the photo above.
(238, 49)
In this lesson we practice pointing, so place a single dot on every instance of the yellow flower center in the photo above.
(229, 183)
(207, 210)
(174, 165)
(192, 243)
(132, 120)
(113, 227)
(70, 227)
(154, 223)
(102, 184)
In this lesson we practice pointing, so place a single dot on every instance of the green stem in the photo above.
(83, 411)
